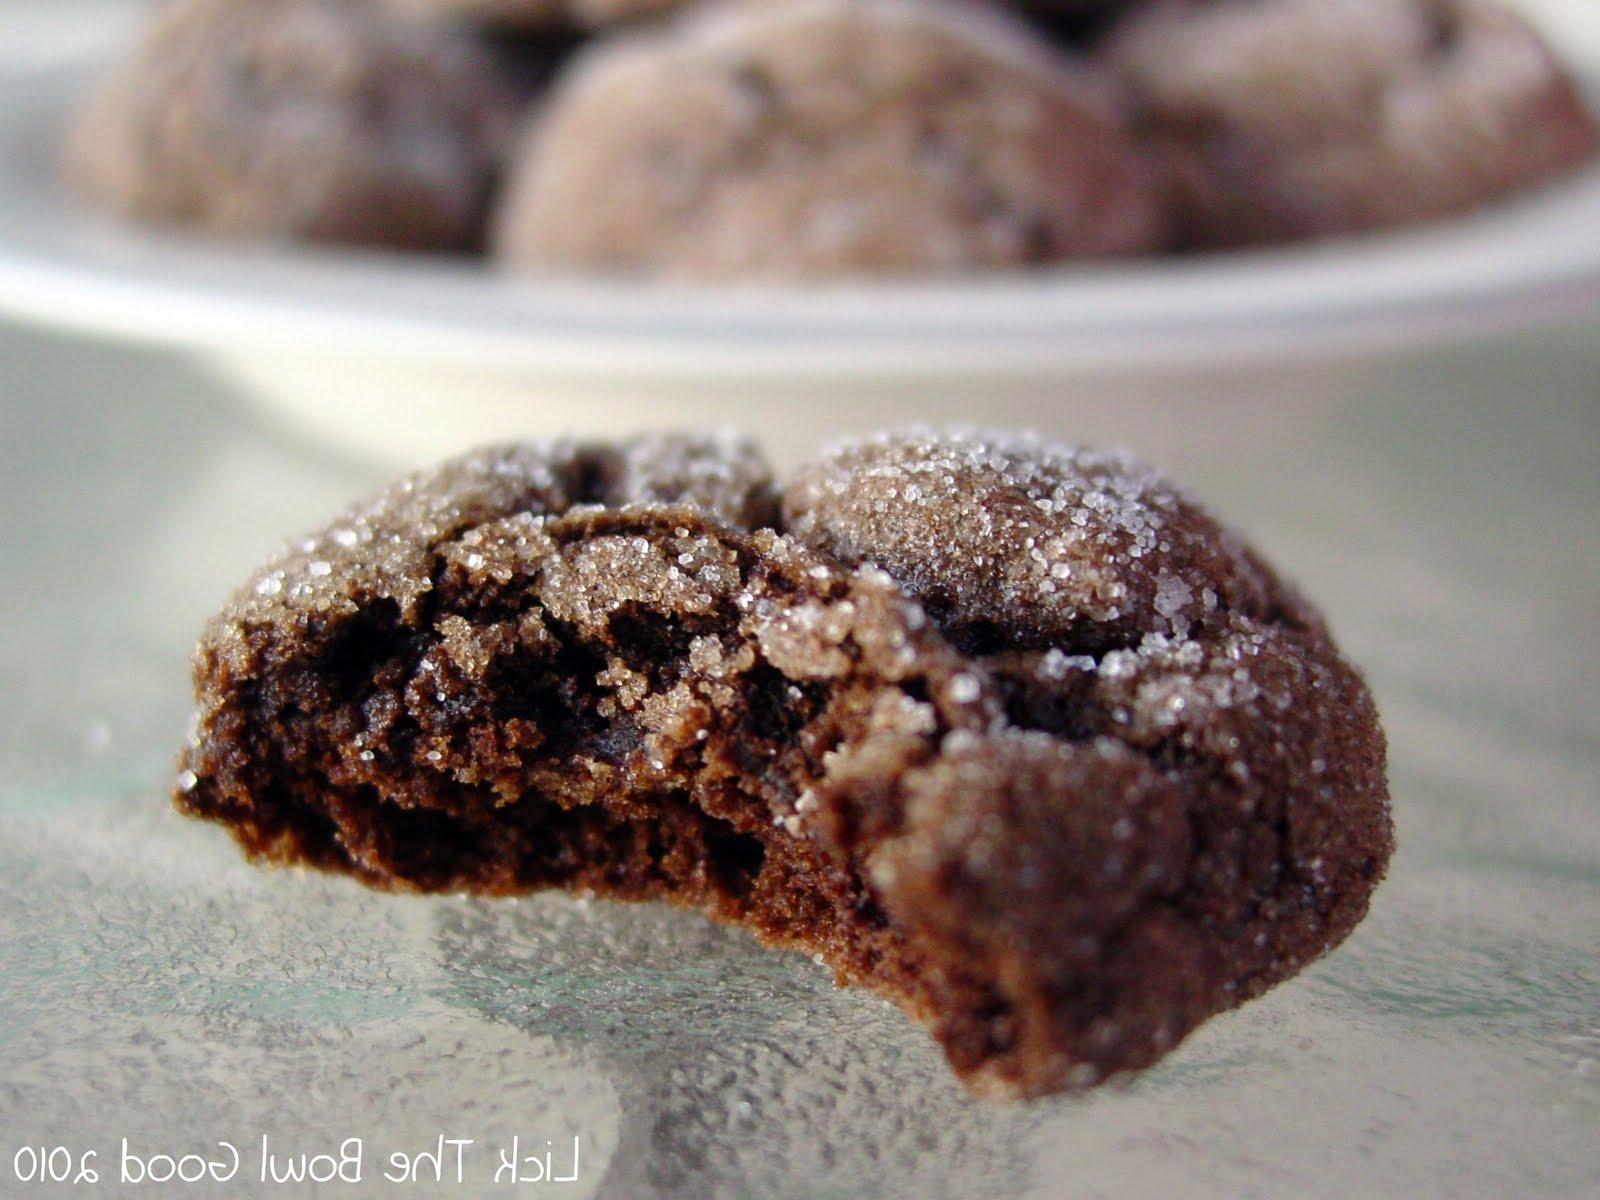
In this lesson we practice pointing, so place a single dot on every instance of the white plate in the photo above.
(437, 352)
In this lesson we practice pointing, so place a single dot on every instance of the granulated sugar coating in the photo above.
(1286, 119)
(1059, 825)
(324, 119)
(1009, 537)
(827, 138)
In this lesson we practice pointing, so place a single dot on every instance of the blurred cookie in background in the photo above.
(1291, 119)
(822, 138)
(827, 138)
(330, 120)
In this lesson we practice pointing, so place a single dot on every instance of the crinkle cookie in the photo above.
(323, 119)
(825, 138)
(1061, 782)
(1285, 119)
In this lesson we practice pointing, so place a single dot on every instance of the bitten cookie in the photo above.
(1015, 734)
(1286, 119)
(322, 119)
(827, 138)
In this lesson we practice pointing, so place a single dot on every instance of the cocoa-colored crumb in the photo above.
(1060, 835)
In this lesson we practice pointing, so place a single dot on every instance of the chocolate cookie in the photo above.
(1285, 119)
(1060, 822)
(323, 119)
(825, 138)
